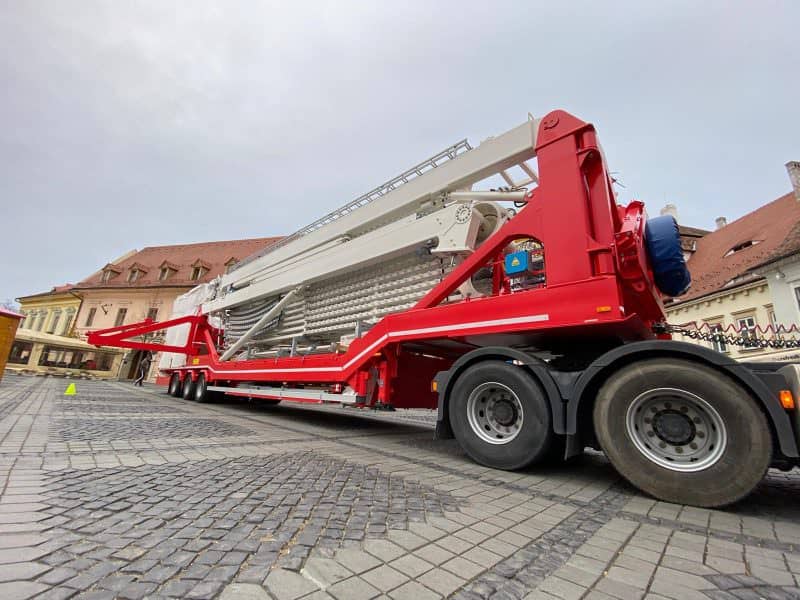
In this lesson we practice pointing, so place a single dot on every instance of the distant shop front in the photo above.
(46, 354)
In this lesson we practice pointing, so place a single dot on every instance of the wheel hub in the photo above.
(676, 429)
(494, 413)
(673, 427)
(504, 412)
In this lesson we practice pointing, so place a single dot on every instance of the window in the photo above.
(90, 316)
(40, 323)
(797, 296)
(718, 338)
(70, 358)
(54, 322)
(20, 352)
(230, 265)
(107, 275)
(197, 273)
(67, 321)
(165, 273)
(120, 317)
(747, 331)
(742, 246)
(135, 275)
(152, 314)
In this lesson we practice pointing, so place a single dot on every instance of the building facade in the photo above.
(746, 281)
(47, 354)
(51, 312)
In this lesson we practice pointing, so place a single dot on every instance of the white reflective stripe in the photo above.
(383, 338)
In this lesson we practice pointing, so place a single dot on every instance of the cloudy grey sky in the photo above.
(127, 124)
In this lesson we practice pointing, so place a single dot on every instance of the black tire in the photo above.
(188, 388)
(535, 433)
(174, 388)
(743, 439)
(201, 393)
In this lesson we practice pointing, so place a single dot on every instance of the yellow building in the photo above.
(47, 354)
(52, 312)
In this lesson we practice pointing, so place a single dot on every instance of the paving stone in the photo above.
(433, 554)
(413, 591)
(20, 540)
(57, 575)
(382, 549)
(19, 555)
(20, 590)
(324, 571)
(462, 567)
(353, 588)
(288, 585)
(385, 578)
(244, 591)
(179, 588)
(772, 576)
(205, 590)
(441, 581)
(618, 589)
(22, 571)
(562, 588)
(406, 539)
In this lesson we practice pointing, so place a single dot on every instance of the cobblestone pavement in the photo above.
(127, 493)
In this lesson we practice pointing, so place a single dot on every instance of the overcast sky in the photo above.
(128, 124)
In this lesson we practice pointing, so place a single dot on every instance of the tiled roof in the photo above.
(58, 289)
(791, 245)
(211, 255)
(10, 313)
(714, 267)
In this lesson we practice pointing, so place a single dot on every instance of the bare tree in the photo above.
(9, 304)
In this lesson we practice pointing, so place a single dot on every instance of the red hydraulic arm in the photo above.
(121, 337)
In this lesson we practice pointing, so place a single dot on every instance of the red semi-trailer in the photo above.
(566, 347)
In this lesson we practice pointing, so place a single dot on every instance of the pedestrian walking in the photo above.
(144, 368)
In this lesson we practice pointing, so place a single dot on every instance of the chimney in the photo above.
(721, 222)
(793, 168)
(670, 209)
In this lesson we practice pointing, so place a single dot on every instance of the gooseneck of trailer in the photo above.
(535, 330)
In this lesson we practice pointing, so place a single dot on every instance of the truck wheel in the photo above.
(188, 388)
(174, 388)
(682, 432)
(201, 393)
(500, 416)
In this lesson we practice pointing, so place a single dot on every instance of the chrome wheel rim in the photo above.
(676, 429)
(494, 412)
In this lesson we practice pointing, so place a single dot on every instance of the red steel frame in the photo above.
(598, 283)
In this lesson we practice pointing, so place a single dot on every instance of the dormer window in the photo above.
(109, 272)
(134, 275)
(742, 246)
(230, 265)
(199, 268)
(166, 270)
